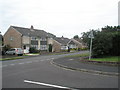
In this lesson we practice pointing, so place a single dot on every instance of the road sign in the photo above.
(91, 35)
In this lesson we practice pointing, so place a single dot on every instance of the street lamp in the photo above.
(91, 37)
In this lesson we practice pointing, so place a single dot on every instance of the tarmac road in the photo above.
(38, 72)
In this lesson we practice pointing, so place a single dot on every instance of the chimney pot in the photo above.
(32, 27)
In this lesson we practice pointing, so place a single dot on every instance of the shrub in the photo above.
(33, 50)
(6, 48)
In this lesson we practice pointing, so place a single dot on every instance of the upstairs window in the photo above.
(43, 39)
(11, 38)
(33, 38)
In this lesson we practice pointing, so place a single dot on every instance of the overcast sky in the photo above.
(60, 17)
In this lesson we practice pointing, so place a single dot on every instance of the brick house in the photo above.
(74, 44)
(59, 44)
(19, 37)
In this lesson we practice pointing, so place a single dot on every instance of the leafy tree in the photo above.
(76, 36)
(106, 42)
(85, 36)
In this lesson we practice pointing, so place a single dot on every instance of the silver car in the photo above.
(15, 51)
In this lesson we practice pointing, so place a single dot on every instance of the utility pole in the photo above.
(91, 37)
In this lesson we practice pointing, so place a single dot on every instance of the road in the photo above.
(38, 72)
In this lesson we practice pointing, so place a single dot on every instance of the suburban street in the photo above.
(38, 72)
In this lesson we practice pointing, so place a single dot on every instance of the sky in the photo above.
(60, 17)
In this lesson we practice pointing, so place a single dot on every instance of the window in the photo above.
(33, 38)
(43, 39)
(34, 46)
(11, 38)
(64, 47)
(43, 47)
(33, 42)
(43, 42)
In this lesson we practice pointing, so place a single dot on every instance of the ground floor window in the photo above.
(72, 46)
(43, 47)
(35, 46)
(64, 47)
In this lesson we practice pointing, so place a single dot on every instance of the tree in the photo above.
(106, 42)
(76, 36)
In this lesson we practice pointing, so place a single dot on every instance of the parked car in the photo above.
(15, 51)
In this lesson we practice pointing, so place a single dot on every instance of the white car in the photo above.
(15, 51)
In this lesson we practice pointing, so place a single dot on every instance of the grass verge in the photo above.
(108, 59)
(79, 55)
(13, 58)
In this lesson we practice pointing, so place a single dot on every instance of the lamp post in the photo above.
(91, 37)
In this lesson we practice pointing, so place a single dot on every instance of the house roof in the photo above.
(81, 41)
(32, 32)
(71, 42)
(62, 40)
(75, 41)
(78, 39)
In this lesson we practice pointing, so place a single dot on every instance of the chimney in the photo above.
(32, 27)
(62, 38)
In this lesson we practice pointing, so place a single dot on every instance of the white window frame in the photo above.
(43, 47)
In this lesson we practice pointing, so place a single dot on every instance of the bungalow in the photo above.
(19, 37)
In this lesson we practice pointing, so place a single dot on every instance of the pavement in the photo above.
(74, 63)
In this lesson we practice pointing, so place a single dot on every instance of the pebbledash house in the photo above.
(19, 37)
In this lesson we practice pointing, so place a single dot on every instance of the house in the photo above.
(59, 44)
(1, 40)
(19, 37)
(76, 43)
(1, 43)
(62, 44)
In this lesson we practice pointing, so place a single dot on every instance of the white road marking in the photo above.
(71, 59)
(21, 63)
(12, 64)
(52, 58)
(36, 61)
(44, 84)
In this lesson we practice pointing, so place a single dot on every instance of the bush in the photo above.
(84, 49)
(106, 42)
(33, 50)
(6, 48)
